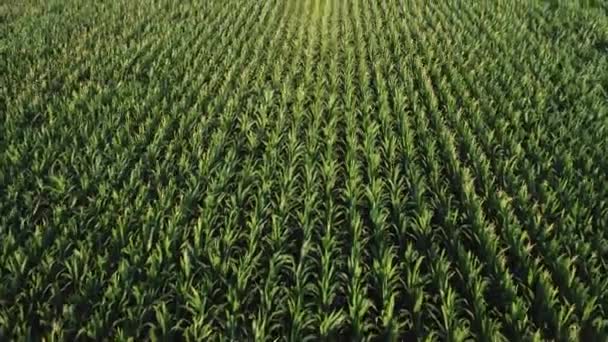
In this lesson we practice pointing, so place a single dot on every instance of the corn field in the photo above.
(303, 170)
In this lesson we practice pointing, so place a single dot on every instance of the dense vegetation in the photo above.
(306, 169)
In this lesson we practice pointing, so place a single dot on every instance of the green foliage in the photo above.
(303, 170)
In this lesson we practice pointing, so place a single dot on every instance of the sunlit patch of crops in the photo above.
(303, 170)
